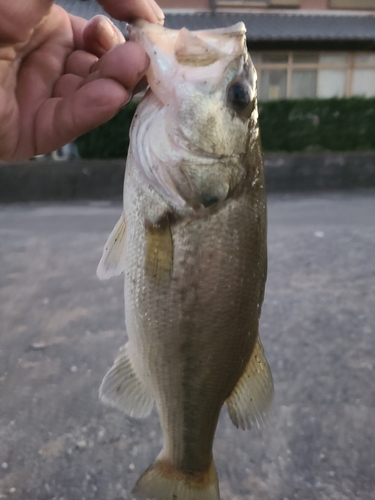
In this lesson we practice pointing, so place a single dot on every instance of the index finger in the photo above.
(128, 10)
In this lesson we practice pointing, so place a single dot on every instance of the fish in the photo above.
(191, 243)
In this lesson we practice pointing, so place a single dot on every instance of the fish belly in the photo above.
(191, 333)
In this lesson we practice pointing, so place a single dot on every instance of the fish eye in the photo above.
(239, 96)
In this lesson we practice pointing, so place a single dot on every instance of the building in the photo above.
(301, 48)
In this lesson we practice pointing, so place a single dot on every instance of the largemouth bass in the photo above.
(191, 243)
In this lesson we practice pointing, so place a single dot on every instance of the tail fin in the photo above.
(162, 481)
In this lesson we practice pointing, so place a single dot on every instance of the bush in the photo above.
(286, 125)
(318, 125)
(110, 140)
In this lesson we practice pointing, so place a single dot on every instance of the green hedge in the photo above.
(286, 125)
(110, 140)
(318, 125)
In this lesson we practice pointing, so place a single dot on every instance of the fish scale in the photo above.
(192, 246)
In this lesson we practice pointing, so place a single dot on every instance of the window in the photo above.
(311, 74)
(273, 84)
(364, 74)
(303, 83)
(352, 4)
(241, 3)
(331, 83)
(283, 3)
(364, 82)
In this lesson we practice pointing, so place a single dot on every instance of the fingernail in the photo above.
(157, 11)
(130, 97)
(107, 34)
(146, 63)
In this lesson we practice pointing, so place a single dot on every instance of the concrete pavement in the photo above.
(60, 330)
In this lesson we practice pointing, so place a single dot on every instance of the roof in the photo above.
(262, 26)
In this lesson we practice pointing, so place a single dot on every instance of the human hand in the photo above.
(60, 75)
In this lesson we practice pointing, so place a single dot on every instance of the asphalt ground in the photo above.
(60, 330)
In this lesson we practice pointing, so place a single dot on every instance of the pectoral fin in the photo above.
(159, 252)
(112, 262)
(123, 388)
(253, 393)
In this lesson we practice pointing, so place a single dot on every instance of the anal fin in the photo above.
(112, 262)
(123, 388)
(253, 393)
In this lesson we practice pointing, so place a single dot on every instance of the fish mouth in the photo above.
(180, 55)
(220, 38)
